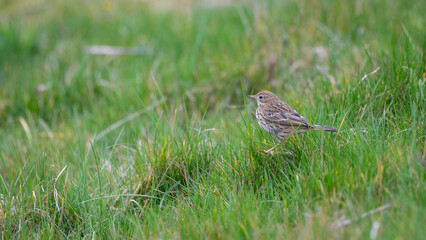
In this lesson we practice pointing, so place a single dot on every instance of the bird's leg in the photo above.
(271, 151)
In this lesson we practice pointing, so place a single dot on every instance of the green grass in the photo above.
(193, 142)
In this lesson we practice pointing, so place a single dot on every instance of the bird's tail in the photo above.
(324, 128)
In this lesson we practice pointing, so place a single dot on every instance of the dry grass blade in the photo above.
(116, 50)
(369, 74)
(46, 128)
(26, 128)
(343, 222)
(142, 187)
(127, 119)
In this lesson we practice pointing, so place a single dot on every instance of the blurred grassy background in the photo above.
(78, 130)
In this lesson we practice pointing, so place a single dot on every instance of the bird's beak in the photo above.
(252, 96)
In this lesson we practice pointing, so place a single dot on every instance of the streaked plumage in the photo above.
(279, 119)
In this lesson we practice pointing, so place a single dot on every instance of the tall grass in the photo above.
(165, 144)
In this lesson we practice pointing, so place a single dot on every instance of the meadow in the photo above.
(161, 142)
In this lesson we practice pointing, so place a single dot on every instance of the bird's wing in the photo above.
(291, 119)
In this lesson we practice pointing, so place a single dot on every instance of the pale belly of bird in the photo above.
(280, 131)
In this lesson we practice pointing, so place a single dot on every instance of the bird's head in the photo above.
(264, 98)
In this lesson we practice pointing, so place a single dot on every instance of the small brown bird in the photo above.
(279, 119)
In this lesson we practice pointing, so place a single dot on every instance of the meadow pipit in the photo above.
(279, 119)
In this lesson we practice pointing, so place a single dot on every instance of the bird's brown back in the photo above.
(279, 119)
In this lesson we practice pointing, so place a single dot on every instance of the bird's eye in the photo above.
(260, 97)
